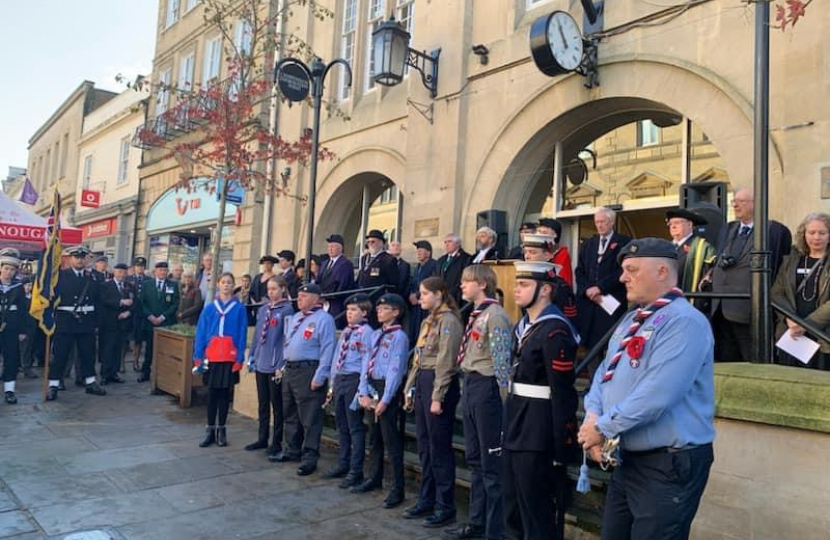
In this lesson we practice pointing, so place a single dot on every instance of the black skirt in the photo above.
(220, 375)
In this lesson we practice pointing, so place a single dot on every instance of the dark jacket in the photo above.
(158, 303)
(784, 292)
(404, 271)
(450, 271)
(14, 310)
(111, 307)
(492, 254)
(77, 291)
(379, 270)
(422, 271)
(516, 253)
(340, 277)
(190, 305)
(292, 281)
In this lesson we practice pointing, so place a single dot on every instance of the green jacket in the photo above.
(158, 303)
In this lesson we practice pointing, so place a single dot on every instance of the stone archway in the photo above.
(646, 84)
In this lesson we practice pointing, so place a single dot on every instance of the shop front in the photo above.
(181, 225)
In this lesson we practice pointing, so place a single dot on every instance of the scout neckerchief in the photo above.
(344, 344)
(223, 311)
(303, 316)
(426, 326)
(376, 346)
(462, 349)
(640, 316)
(269, 316)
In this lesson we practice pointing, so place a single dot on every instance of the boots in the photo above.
(210, 437)
(221, 438)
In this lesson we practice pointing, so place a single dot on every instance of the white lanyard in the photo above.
(222, 313)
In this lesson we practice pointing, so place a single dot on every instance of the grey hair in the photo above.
(454, 237)
(800, 240)
(489, 232)
(610, 214)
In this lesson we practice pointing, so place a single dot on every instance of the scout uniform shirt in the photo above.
(666, 396)
(386, 361)
(266, 352)
(441, 334)
(487, 344)
(309, 335)
(354, 345)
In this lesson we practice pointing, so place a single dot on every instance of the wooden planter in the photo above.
(172, 365)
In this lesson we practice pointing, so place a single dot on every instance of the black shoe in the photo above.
(468, 530)
(336, 472)
(79, 383)
(61, 386)
(143, 378)
(52, 394)
(350, 481)
(366, 486)
(221, 436)
(259, 445)
(29, 373)
(95, 390)
(116, 379)
(273, 453)
(417, 511)
(393, 500)
(306, 469)
(11, 399)
(283, 457)
(440, 518)
(210, 437)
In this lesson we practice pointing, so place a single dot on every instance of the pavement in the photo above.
(127, 466)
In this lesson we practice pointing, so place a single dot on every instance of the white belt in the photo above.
(530, 390)
(12, 307)
(79, 309)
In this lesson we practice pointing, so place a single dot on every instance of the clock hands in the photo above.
(562, 34)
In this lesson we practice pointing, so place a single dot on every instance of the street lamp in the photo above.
(294, 78)
(391, 55)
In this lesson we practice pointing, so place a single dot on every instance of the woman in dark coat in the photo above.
(190, 301)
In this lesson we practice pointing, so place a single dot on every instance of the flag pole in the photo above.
(47, 358)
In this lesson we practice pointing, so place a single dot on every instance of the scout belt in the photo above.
(532, 391)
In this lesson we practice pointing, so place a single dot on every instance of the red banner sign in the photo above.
(97, 229)
(30, 233)
(90, 199)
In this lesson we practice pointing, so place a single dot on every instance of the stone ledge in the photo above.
(772, 394)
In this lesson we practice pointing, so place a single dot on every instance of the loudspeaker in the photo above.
(496, 220)
(708, 200)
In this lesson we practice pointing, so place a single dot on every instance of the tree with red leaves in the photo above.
(788, 13)
(218, 132)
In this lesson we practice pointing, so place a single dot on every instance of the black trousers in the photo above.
(351, 431)
(733, 342)
(269, 399)
(434, 436)
(655, 496)
(219, 400)
(303, 409)
(384, 434)
(482, 441)
(147, 337)
(10, 351)
(112, 350)
(64, 343)
(530, 486)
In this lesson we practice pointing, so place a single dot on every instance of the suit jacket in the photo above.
(111, 306)
(784, 291)
(450, 271)
(377, 271)
(737, 277)
(516, 253)
(340, 277)
(422, 271)
(404, 271)
(492, 254)
(292, 281)
(158, 303)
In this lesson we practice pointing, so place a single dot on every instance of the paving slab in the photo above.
(46, 490)
(14, 523)
(166, 473)
(103, 460)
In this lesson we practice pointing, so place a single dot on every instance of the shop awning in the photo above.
(23, 229)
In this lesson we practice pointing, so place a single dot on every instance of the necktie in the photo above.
(159, 285)
(745, 230)
(118, 286)
(447, 263)
(639, 318)
(376, 346)
(462, 350)
(602, 241)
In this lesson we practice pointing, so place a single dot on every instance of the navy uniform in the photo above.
(75, 324)
(540, 417)
(308, 348)
(98, 275)
(563, 294)
(655, 391)
(115, 325)
(137, 281)
(13, 314)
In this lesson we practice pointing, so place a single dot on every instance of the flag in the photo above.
(43, 291)
(29, 195)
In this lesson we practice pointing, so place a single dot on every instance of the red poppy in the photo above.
(475, 335)
(686, 248)
(307, 333)
(635, 347)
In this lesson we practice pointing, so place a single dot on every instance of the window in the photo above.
(190, 4)
(406, 14)
(56, 160)
(87, 171)
(172, 13)
(186, 65)
(374, 18)
(242, 37)
(534, 3)
(213, 59)
(42, 178)
(347, 40)
(48, 164)
(64, 150)
(647, 133)
(124, 161)
(163, 96)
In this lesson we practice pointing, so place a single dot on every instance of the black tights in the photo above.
(218, 400)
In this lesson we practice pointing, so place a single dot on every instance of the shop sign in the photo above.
(97, 229)
(180, 209)
(90, 199)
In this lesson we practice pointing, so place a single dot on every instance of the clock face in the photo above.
(565, 40)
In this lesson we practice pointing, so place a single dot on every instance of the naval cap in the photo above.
(538, 270)
(536, 240)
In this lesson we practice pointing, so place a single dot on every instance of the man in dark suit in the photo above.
(517, 252)
(117, 299)
(137, 279)
(75, 323)
(598, 275)
(731, 318)
(426, 268)
(451, 264)
(336, 274)
(377, 268)
(159, 301)
(404, 269)
(289, 274)
(486, 239)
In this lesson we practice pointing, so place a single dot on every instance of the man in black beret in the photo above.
(377, 268)
(426, 268)
(695, 255)
(116, 323)
(159, 301)
(137, 280)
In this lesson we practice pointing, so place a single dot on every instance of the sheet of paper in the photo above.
(801, 347)
(609, 304)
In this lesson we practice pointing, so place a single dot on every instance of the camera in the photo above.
(726, 262)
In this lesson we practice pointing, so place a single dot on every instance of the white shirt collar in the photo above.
(684, 239)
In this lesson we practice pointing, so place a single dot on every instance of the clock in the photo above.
(556, 43)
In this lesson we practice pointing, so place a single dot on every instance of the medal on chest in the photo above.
(309, 330)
